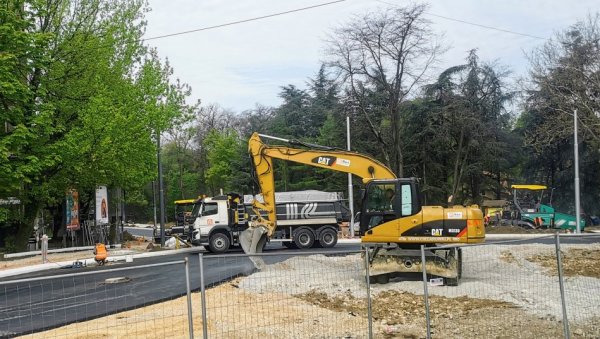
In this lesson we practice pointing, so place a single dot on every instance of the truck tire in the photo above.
(328, 238)
(304, 238)
(218, 243)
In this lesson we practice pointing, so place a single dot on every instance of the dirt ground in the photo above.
(402, 315)
(575, 262)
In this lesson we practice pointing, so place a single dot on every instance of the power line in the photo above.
(475, 24)
(244, 20)
(487, 27)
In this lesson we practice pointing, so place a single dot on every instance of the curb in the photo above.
(58, 250)
(91, 261)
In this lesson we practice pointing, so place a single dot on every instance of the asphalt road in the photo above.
(55, 300)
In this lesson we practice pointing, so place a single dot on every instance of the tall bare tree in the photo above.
(565, 74)
(381, 58)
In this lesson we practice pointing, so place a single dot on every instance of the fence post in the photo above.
(425, 292)
(189, 297)
(368, 280)
(44, 249)
(203, 297)
(566, 330)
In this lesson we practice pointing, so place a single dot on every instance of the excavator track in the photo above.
(386, 263)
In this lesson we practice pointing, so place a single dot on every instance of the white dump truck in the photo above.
(305, 219)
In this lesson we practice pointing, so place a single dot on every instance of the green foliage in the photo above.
(82, 97)
(222, 151)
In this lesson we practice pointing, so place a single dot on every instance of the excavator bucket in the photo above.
(253, 241)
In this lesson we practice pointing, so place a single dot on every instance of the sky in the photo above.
(241, 65)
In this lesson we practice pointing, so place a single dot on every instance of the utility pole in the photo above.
(577, 199)
(123, 214)
(161, 197)
(350, 190)
(154, 202)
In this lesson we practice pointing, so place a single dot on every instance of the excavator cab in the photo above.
(388, 200)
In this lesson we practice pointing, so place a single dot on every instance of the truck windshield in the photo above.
(196, 210)
(209, 209)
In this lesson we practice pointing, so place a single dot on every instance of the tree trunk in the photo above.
(499, 186)
(457, 165)
(26, 226)
(398, 165)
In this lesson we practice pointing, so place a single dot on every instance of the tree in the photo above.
(181, 167)
(381, 58)
(222, 151)
(83, 102)
(565, 75)
(462, 130)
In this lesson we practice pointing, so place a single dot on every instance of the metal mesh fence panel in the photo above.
(397, 311)
(581, 276)
(293, 295)
(506, 289)
(105, 302)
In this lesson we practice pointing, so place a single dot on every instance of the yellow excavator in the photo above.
(393, 224)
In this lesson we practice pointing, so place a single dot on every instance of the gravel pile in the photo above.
(496, 272)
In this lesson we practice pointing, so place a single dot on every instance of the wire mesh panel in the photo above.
(581, 276)
(109, 302)
(299, 295)
(505, 290)
(396, 312)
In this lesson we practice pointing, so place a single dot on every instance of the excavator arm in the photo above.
(262, 156)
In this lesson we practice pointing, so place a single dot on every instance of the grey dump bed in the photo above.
(310, 204)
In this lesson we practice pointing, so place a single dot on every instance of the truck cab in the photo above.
(218, 222)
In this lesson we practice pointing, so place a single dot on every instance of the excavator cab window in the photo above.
(381, 197)
(406, 200)
(381, 204)
(387, 201)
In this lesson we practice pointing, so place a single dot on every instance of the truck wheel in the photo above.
(328, 238)
(219, 243)
(304, 238)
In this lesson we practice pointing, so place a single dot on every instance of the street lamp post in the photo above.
(577, 198)
(350, 190)
(161, 198)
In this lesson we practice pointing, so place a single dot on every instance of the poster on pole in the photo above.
(72, 210)
(101, 205)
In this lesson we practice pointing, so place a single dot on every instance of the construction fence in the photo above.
(519, 288)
